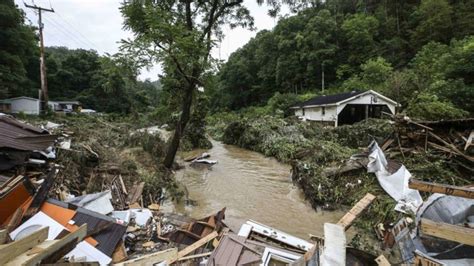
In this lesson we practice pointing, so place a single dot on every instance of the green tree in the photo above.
(435, 22)
(179, 34)
(17, 47)
(360, 31)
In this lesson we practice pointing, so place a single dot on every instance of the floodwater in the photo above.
(251, 186)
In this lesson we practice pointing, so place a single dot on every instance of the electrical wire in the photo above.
(79, 32)
(71, 37)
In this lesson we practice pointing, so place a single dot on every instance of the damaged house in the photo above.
(345, 108)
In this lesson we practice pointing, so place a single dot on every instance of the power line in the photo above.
(67, 34)
(79, 32)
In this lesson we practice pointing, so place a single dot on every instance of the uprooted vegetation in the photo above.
(319, 157)
(103, 148)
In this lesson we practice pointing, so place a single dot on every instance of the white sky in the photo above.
(97, 24)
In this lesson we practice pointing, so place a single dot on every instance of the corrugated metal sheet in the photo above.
(20, 136)
(231, 251)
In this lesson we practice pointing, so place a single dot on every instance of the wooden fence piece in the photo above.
(347, 220)
(446, 231)
(440, 188)
(16, 248)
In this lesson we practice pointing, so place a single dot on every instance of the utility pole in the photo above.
(44, 83)
(322, 77)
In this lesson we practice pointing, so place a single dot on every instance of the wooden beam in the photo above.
(40, 195)
(152, 258)
(3, 236)
(16, 248)
(195, 256)
(446, 231)
(440, 188)
(48, 248)
(193, 247)
(347, 220)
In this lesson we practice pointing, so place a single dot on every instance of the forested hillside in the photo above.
(107, 83)
(420, 53)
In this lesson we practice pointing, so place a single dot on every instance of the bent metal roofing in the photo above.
(20, 136)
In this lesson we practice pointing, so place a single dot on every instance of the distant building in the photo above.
(345, 108)
(31, 106)
(65, 106)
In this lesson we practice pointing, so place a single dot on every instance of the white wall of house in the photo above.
(317, 114)
(368, 98)
(25, 105)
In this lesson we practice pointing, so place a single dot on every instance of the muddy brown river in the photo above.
(251, 186)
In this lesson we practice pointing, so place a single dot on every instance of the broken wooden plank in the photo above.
(152, 258)
(15, 220)
(136, 193)
(446, 231)
(16, 248)
(48, 248)
(195, 256)
(41, 195)
(193, 247)
(347, 220)
(4, 237)
(440, 188)
(452, 147)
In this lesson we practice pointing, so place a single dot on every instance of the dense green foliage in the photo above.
(19, 62)
(399, 48)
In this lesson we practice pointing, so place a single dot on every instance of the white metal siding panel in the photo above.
(316, 114)
(27, 106)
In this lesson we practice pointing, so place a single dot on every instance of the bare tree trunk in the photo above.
(180, 126)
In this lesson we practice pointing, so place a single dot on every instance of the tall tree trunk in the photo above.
(180, 126)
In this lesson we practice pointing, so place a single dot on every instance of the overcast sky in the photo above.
(97, 24)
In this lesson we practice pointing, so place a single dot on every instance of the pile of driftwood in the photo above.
(450, 138)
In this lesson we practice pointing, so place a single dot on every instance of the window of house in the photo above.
(302, 110)
(323, 110)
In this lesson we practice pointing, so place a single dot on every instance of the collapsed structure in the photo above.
(113, 226)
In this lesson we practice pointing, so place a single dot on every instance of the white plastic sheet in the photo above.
(396, 185)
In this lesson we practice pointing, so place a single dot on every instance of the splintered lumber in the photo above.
(452, 147)
(446, 231)
(152, 258)
(207, 254)
(440, 188)
(16, 248)
(41, 195)
(3, 236)
(193, 247)
(49, 248)
(347, 220)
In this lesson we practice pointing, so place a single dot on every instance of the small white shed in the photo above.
(345, 108)
(25, 105)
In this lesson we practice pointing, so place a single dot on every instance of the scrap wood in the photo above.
(136, 193)
(347, 220)
(469, 140)
(446, 231)
(4, 237)
(195, 256)
(15, 220)
(16, 248)
(152, 258)
(193, 247)
(40, 195)
(49, 248)
(452, 147)
(440, 188)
